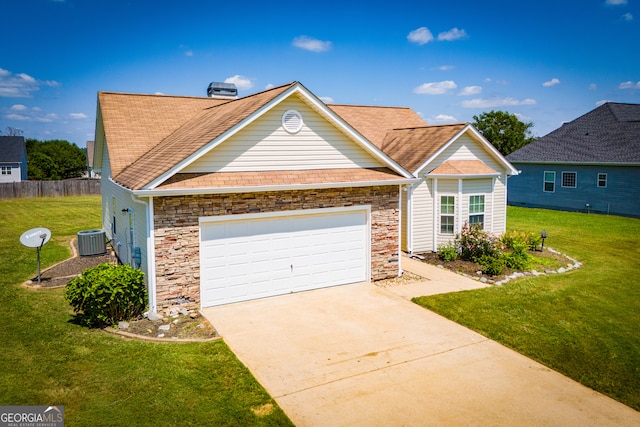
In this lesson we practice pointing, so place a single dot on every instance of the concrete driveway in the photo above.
(362, 355)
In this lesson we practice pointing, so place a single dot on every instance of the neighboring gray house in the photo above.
(591, 164)
(13, 159)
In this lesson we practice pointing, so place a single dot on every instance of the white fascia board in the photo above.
(463, 176)
(353, 133)
(493, 150)
(222, 138)
(486, 144)
(265, 188)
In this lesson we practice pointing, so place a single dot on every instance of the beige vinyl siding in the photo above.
(466, 148)
(265, 145)
(114, 199)
(500, 204)
(423, 217)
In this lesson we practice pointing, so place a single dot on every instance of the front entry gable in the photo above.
(267, 145)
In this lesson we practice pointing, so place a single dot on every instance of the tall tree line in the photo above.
(54, 159)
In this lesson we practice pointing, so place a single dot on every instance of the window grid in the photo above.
(476, 209)
(6, 170)
(569, 179)
(447, 214)
(602, 180)
(549, 182)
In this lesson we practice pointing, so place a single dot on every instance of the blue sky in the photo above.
(546, 61)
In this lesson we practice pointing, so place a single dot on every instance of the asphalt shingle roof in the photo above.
(12, 149)
(607, 134)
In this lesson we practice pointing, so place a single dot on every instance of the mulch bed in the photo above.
(473, 269)
(181, 328)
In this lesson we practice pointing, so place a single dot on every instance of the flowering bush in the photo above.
(474, 243)
(448, 251)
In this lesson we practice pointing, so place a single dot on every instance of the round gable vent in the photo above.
(292, 121)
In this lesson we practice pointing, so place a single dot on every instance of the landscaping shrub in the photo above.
(517, 260)
(491, 265)
(475, 243)
(448, 252)
(106, 294)
(513, 239)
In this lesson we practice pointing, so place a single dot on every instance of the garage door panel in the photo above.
(270, 256)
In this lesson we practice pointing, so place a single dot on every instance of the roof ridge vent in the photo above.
(220, 90)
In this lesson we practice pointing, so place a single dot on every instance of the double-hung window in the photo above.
(549, 181)
(602, 180)
(447, 214)
(6, 170)
(569, 179)
(476, 210)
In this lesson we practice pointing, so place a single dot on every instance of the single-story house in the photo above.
(219, 199)
(13, 159)
(591, 165)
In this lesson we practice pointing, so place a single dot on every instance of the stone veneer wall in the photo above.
(177, 241)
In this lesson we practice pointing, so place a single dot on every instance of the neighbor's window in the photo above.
(569, 179)
(602, 180)
(447, 214)
(549, 182)
(476, 210)
(6, 170)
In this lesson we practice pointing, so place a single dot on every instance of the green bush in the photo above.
(474, 243)
(491, 265)
(106, 294)
(448, 252)
(517, 260)
(515, 239)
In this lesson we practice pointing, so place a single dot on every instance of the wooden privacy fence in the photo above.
(70, 187)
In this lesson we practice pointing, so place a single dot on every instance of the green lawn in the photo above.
(583, 323)
(102, 379)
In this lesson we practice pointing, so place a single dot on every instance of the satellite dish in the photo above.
(36, 237)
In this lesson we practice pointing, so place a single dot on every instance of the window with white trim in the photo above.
(476, 210)
(602, 180)
(569, 179)
(6, 170)
(447, 214)
(549, 181)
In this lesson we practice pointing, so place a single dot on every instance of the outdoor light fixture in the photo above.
(543, 235)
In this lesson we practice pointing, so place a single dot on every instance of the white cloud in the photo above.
(420, 36)
(602, 102)
(435, 88)
(326, 99)
(188, 53)
(78, 116)
(25, 114)
(21, 85)
(551, 82)
(497, 102)
(18, 107)
(627, 17)
(443, 118)
(446, 67)
(470, 90)
(615, 2)
(269, 86)
(593, 86)
(522, 117)
(629, 85)
(311, 44)
(452, 34)
(241, 82)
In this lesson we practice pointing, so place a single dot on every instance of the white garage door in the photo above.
(256, 256)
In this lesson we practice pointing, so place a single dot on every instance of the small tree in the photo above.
(504, 130)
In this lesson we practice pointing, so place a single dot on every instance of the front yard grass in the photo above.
(584, 323)
(102, 379)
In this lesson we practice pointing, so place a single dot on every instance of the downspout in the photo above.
(409, 226)
(401, 188)
(151, 257)
(436, 208)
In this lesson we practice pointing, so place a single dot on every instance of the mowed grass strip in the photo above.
(102, 379)
(584, 323)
